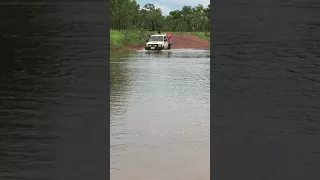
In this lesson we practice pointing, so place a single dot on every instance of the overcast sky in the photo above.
(168, 5)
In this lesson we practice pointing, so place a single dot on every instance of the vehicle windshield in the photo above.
(156, 38)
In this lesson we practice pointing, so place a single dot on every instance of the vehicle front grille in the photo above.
(153, 45)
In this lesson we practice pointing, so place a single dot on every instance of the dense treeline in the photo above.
(127, 15)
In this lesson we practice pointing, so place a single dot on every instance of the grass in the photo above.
(122, 38)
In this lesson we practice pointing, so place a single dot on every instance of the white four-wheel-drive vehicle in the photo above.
(158, 42)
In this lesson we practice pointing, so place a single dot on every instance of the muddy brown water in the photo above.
(160, 115)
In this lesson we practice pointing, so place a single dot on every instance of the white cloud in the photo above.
(181, 3)
(165, 10)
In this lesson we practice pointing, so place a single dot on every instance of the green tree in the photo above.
(127, 14)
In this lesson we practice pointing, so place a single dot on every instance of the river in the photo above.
(160, 115)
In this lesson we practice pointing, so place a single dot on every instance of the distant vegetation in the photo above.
(127, 17)
(127, 14)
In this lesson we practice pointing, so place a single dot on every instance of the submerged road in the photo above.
(160, 115)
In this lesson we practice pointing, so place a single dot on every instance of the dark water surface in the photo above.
(53, 77)
(265, 84)
(160, 115)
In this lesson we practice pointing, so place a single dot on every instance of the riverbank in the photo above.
(134, 40)
(123, 39)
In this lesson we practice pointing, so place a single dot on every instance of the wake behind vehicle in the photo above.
(158, 42)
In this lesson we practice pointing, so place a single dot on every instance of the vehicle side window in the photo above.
(165, 38)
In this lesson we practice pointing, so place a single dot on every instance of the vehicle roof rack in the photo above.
(159, 34)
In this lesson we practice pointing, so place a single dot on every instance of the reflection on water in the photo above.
(177, 53)
(160, 115)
